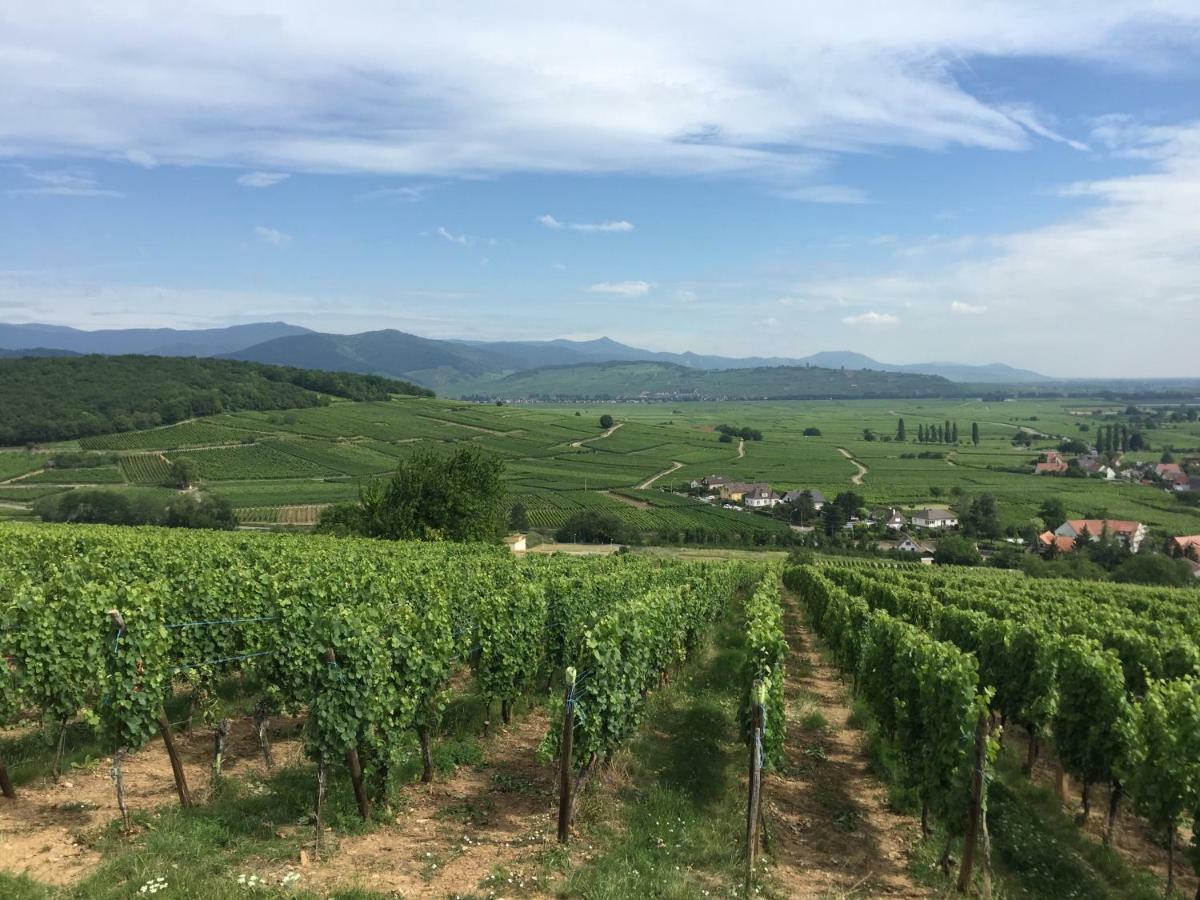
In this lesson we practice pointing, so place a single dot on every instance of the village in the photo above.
(1167, 473)
(917, 532)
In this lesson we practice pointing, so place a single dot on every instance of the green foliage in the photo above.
(764, 672)
(55, 398)
(456, 496)
(183, 472)
(606, 421)
(956, 550)
(595, 526)
(1162, 766)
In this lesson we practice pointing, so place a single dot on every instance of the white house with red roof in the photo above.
(1128, 532)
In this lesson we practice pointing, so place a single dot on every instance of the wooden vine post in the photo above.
(220, 737)
(565, 751)
(164, 728)
(754, 804)
(6, 785)
(975, 810)
(261, 724)
(354, 764)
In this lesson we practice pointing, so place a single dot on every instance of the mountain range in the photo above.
(449, 366)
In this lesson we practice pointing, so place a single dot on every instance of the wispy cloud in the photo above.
(61, 183)
(443, 232)
(261, 179)
(967, 309)
(621, 288)
(273, 236)
(608, 225)
(826, 193)
(872, 320)
(410, 193)
(360, 88)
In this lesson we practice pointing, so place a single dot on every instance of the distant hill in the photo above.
(150, 341)
(441, 364)
(58, 398)
(668, 381)
(35, 351)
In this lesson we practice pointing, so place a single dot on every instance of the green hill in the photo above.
(656, 380)
(58, 398)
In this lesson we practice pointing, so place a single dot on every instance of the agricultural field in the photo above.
(213, 726)
(559, 460)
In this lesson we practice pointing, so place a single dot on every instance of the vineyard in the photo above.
(1107, 677)
(367, 641)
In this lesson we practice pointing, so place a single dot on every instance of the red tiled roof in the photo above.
(1095, 527)
(1064, 543)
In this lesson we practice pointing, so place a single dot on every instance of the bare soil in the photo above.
(45, 831)
(832, 832)
(457, 836)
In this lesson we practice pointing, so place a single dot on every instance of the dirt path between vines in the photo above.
(675, 467)
(629, 501)
(608, 433)
(832, 832)
(857, 478)
(45, 832)
(741, 447)
(452, 836)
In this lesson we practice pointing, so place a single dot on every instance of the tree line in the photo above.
(53, 399)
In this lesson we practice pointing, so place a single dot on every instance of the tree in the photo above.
(833, 518)
(900, 433)
(1167, 457)
(595, 526)
(185, 472)
(946, 432)
(1137, 441)
(457, 496)
(1152, 568)
(1052, 510)
(956, 550)
(200, 511)
(606, 421)
(726, 439)
(982, 517)
(975, 433)
(803, 510)
(810, 431)
(518, 518)
(954, 433)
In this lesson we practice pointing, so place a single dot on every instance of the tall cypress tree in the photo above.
(954, 434)
(1124, 438)
(946, 432)
(920, 433)
(975, 433)
(900, 433)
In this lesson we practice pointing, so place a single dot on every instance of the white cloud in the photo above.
(609, 225)
(872, 320)
(615, 87)
(826, 193)
(412, 193)
(61, 183)
(621, 288)
(443, 232)
(967, 309)
(261, 179)
(273, 236)
(684, 295)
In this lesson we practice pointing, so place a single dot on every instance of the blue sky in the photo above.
(980, 182)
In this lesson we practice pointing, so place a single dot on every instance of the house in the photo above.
(711, 483)
(516, 543)
(1053, 456)
(1168, 471)
(893, 519)
(818, 499)
(909, 544)
(1185, 545)
(934, 518)
(737, 490)
(1050, 468)
(1129, 533)
(760, 496)
(1096, 467)
(1062, 543)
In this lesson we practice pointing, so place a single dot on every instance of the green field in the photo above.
(557, 461)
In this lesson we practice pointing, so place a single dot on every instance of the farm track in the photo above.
(741, 448)
(675, 467)
(579, 443)
(856, 478)
(828, 780)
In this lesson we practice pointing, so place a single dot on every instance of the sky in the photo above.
(918, 180)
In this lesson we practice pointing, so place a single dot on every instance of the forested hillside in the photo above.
(629, 380)
(49, 399)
